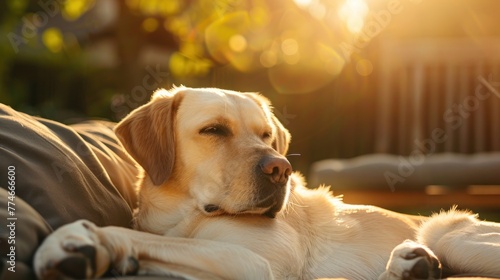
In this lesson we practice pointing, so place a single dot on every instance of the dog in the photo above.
(219, 200)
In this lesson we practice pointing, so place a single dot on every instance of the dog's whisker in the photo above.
(293, 155)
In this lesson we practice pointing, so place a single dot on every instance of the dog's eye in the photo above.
(219, 130)
(266, 135)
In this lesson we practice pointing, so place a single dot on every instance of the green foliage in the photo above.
(48, 48)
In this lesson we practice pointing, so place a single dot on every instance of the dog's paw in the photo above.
(79, 250)
(411, 261)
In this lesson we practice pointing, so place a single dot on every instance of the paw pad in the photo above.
(427, 267)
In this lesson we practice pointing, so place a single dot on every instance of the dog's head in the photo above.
(225, 149)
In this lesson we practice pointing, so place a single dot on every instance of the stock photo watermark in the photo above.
(454, 117)
(11, 219)
(284, 116)
(30, 24)
(152, 81)
(376, 22)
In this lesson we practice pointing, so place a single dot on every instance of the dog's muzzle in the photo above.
(272, 178)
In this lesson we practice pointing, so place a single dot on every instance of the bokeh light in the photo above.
(237, 43)
(150, 24)
(17, 6)
(296, 42)
(353, 13)
(268, 59)
(52, 38)
(74, 9)
(364, 67)
(289, 47)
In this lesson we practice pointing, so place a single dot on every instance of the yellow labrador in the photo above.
(218, 200)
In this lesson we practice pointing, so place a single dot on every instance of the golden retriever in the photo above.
(219, 200)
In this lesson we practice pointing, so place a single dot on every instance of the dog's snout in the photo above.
(278, 169)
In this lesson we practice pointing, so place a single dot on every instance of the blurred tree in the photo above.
(70, 59)
(294, 42)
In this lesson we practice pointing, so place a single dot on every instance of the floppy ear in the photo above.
(147, 133)
(283, 137)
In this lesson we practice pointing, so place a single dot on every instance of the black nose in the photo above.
(277, 169)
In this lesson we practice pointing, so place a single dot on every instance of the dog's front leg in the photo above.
(223, 260)
(83, 250)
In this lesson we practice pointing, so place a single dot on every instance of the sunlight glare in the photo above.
(303, 3)
(317, 10)
(353, 12)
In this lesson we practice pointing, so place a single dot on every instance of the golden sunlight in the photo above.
(353, 13)
(303, 3)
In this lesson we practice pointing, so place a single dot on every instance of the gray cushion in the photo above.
(29, 231)
(63, 173)
(391, 171)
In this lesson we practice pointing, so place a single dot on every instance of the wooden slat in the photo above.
(450, 91)
(412, 199)
(479, 115)
(434, 103)
(417, 92)
(421, 108)
(404, 105)
(495, 110)
(463, 92)
(384, 112)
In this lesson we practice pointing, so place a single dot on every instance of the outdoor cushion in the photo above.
(61, 174)
(384, 171)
